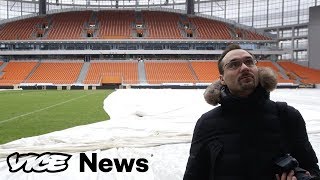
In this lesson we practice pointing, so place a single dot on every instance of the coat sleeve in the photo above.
(301, 147)
(198, 165)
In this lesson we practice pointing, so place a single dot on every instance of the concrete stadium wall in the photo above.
(314, 37)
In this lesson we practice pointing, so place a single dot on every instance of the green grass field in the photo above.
(30, 113)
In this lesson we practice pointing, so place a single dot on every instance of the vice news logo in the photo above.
(57, 162)
(32, 162)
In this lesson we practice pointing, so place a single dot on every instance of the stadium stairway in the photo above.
(32, 71)
(296, 77)
(83, 73)
(2, 66)
(142, 72)
(282, 71)
(194, 74)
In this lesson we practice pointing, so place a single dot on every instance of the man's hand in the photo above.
(290, 176)
(286, 176)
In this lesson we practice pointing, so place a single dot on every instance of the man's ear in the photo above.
(222, 80)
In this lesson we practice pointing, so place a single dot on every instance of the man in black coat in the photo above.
(242, 138)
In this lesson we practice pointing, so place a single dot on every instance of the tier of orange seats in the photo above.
(118, 25)
(162, 25)
(265, 63)
(206, 71)
(307, 75)
(158, 72)
(115, 24)
(16, 72)
(128, 71)
(247, 34)
(210, 29)
(255, 36)
(20, 30)
(68, 25)
(56, 73)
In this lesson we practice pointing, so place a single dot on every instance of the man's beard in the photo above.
(247, 84)
(247, 81)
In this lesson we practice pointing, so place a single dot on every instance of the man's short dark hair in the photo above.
(228, 49)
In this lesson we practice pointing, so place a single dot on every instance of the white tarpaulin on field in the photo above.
(156, 125)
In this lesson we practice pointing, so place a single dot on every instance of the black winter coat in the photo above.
(243, 137)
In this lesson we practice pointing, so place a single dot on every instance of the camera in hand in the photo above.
(287, 163)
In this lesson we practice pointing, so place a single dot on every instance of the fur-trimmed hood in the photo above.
(267, 79)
